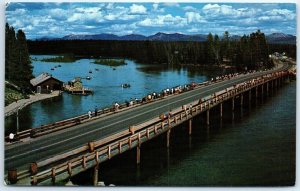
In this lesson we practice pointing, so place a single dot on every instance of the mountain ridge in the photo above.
(274, 38)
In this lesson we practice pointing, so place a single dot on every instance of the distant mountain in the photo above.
(275, 38)
(281, 38)
(102, 36)
(176, 37)
(133, 37)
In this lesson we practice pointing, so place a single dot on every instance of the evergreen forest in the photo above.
(248, 52)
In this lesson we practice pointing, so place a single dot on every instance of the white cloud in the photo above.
(193, 30)
(120, 13)
(215, 10)
(189, 8)
(163, 20)
(138, 9)
(20, 11)
(281, 14)
(193, 17)
(155, 8)
(86, 15)
(88, 10)
(168, 4)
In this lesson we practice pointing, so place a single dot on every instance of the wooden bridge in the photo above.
(61, 150)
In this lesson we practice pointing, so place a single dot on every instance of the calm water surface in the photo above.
(106, 84)
(255, 148)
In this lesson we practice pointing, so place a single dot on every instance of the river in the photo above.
(106, 84)
(256, 147)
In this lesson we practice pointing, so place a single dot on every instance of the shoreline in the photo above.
(20, 104)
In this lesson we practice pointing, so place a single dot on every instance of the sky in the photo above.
(59, 19)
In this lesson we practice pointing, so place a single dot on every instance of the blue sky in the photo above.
(60, 19)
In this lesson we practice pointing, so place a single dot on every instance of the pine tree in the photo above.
(24, 61)
(18, 68)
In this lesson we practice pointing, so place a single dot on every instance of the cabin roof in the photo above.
(41, 78)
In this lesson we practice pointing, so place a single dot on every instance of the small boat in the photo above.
(90, 71)
(114, 68)
(52, 68)
(96, 69)
(125, 85)
(88, 78)
(59, 65)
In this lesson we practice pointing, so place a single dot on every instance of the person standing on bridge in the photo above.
(90, 114)
(117, 106)
(11, 137)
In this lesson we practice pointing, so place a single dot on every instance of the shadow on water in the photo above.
(237, 150)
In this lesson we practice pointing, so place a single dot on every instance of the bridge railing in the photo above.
(99, 151)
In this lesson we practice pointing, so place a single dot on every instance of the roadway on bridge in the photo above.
(38, 149)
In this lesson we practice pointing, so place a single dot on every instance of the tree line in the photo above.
(250, 51)
(18, 68)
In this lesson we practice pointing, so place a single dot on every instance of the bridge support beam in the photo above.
(262, 90)
(138, 154)
(190, 127)
(221, 110)
(95, 176)
(168, 138)
(207, 117)
(232, 104)
(267, 87)
(242, 100)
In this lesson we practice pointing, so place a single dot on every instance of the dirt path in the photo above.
(13, 107)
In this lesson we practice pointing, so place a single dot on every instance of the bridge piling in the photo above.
(95, 176)
(138, 155)
(221, 110)
(168, 138)
(207, 117)
(232, 105)
(190, 127)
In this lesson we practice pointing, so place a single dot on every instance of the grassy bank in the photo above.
(59, 59)
(110, 62)
(11, 95)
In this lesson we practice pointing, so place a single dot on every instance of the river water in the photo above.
(254, 147)
(106, 83)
